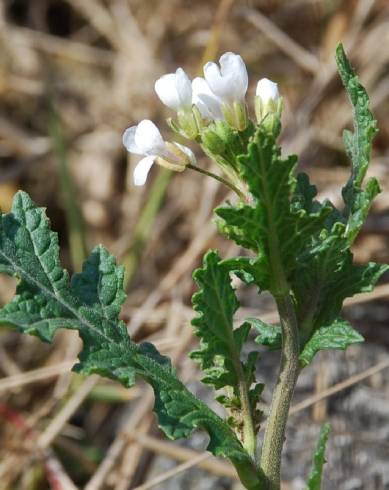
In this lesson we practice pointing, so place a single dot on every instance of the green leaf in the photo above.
(362, 200)
(312, 212)
(29, 250)
(339, 335)
(46, 300)
(269, 335)
(282, 217)
(325, 277)
(358, 146)
(325, 274)
(216, 303)
(315, 477)
(220, 344)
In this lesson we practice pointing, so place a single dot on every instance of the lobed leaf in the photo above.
(358, 146)
(220, 343)
(269, 335)
(282, 216)
(325, 277)
(325, 274)
(339, 335)
(46, 300)
(216, 303)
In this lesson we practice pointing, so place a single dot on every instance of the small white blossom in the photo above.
(230, 81)
(267, 90)
(145, 139)
(175, 90)
(206, 101)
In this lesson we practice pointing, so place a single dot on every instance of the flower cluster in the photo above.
(209, 110)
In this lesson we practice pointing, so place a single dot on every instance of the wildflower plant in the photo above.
(299, 250)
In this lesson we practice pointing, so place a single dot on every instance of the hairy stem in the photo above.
(289, 367)
(282, 395)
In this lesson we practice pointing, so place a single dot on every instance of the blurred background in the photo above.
(73, 75)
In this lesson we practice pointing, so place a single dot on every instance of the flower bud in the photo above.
(268, 103)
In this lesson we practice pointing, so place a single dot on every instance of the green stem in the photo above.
(249, 437)
(270, 462)
(250, 476)
(282, 395)
(220, 179)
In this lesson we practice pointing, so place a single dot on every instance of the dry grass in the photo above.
(73, 75)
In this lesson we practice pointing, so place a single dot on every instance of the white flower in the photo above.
(207, 102)
(146, 139)
(267, 90)
(230, 81)
(175, 90)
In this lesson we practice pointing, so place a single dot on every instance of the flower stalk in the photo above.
(220, 179)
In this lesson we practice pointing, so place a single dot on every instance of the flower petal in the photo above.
(212, 106)
(219, 86)
(129, 140)
(148, 138)
(200, 86)
(184, 89)
(175, 90)
(188, 152)
(233, 67)
(208, 104)
(167, 91)
(230, 82)
(267, 90)
(142, 169)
